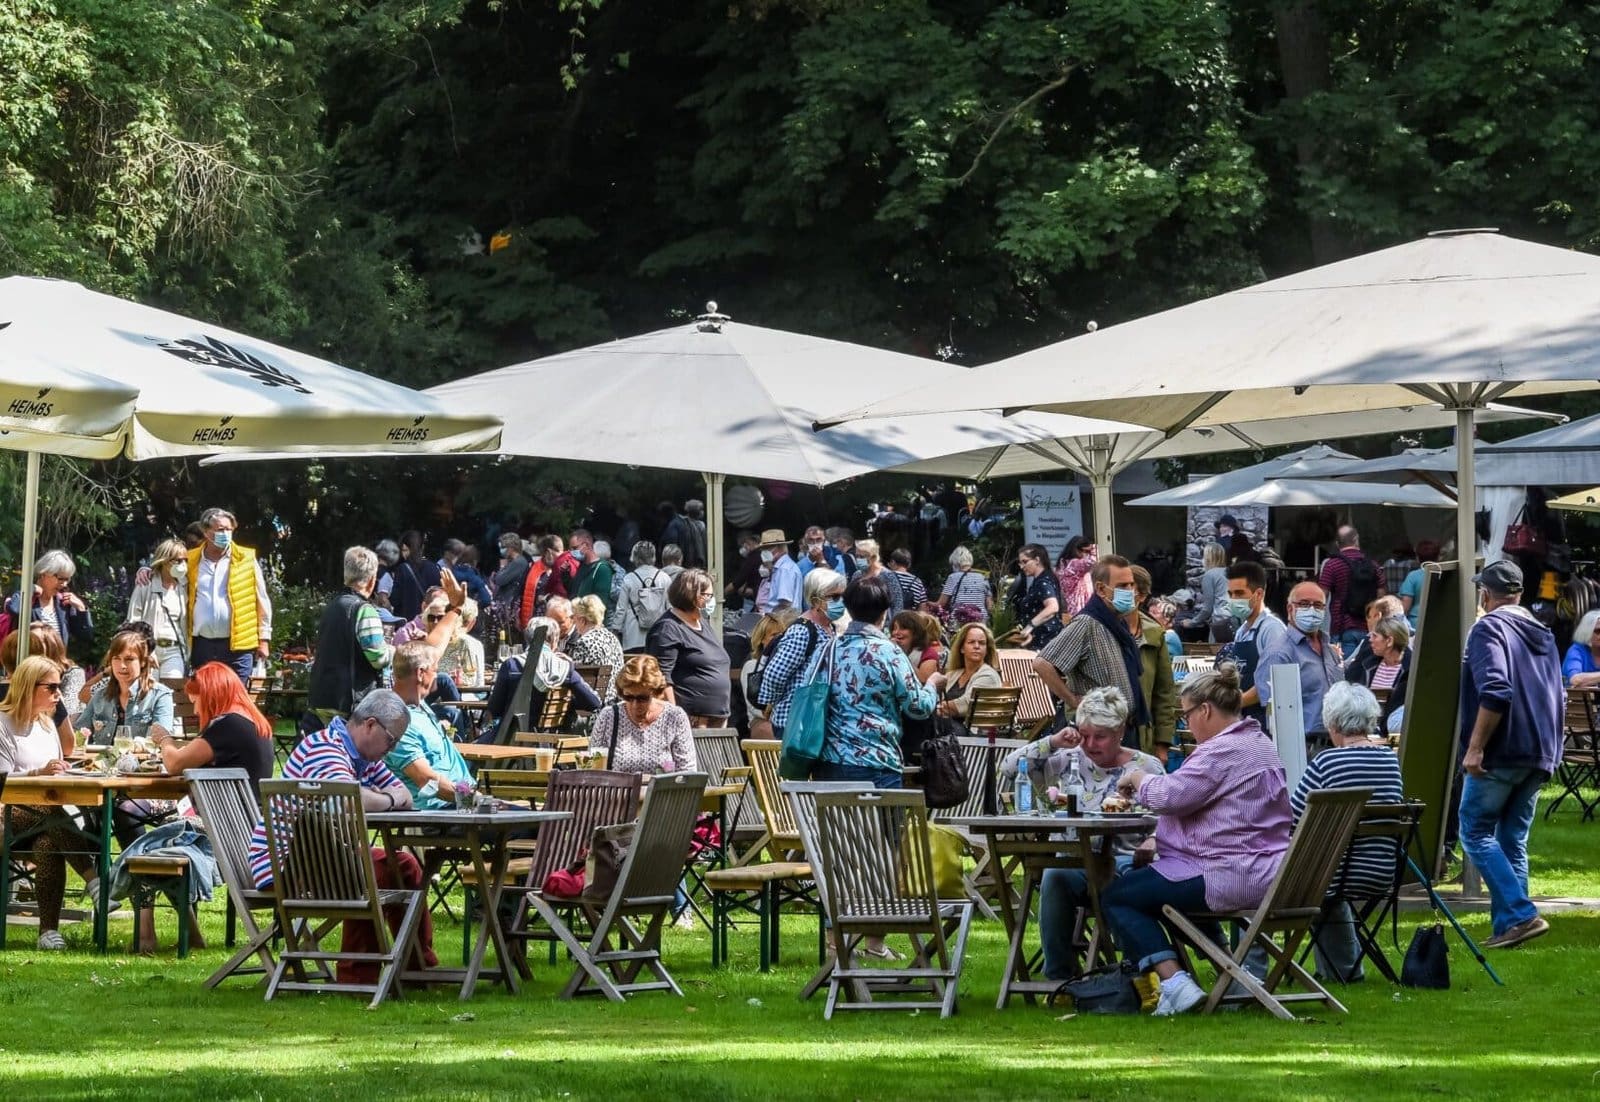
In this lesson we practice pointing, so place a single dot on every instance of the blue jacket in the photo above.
(1513, 668)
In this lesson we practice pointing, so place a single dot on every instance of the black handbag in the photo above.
(1427, 962)
(1105, 990)
(944, 770)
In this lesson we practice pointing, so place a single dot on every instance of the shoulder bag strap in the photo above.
(616, 720)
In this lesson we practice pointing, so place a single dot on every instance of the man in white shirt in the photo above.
(781, 582)
(230, 614)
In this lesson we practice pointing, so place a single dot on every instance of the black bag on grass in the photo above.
(1427, 962)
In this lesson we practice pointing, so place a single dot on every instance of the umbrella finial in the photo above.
(711, 321)
(1092, 326)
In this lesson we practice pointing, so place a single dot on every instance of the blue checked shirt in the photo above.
(782, 674)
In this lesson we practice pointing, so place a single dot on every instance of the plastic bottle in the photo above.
(1024, 789)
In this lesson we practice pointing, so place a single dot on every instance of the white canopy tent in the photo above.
(1322, 491)
(93, 376)
(1244, 485)
(1459, 319)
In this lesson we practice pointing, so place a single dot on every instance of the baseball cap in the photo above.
(1503, 576)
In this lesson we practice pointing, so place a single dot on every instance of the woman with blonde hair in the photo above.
(974, 663)
(462, 657)
(592, 643)
(1214, 592)
(33, 744)
(159, 602)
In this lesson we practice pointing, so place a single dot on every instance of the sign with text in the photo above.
(1052, 513)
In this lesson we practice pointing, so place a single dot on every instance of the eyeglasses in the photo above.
(637, 698)
(390, 739)
(50, 687)
(1315, 605)
(435, 617)
(1185, 713)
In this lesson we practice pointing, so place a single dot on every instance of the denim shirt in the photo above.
(871, 686)
(99, 716)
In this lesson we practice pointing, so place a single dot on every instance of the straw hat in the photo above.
(774, 537)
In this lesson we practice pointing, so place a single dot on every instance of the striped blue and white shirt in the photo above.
(1372, 860)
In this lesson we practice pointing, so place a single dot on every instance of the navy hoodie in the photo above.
(1512, 667)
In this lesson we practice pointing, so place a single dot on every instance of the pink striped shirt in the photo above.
(1224, 815)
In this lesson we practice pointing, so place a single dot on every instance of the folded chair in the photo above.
(640, 901)
(1293, 901)
(873, 849)
(227, 805)
(596, 798)
(802, 796)
(717, 750)
(323, 876)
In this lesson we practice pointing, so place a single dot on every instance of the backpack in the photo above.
(651, 602)
(1362, 588)
(754, 695)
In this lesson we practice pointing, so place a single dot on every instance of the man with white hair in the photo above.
(1305, 643)
(1090, 751)
(230, 614)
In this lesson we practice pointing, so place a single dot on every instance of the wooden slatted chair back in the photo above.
(717, 751)
(597, 677)
(994, 709)
(802, 797)
(515, 785)
(650, 874)
(1016, 670)
(975, 753)
(317, 843)
(874, 848)
(1580, 714)
(596, 798)
(227, 805)
(763, 755)
(555, 710)
(1315, 853)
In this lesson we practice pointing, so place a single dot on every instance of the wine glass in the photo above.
(123, 742)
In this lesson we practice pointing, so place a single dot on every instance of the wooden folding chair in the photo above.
(802, 796)
(980, 756)
(1579, 767)
(1386, 832)
(227, 805)
(596, 798)
(322, 876)
(717, 751)
(875, 859)
(641, 900)
(1293, 901)
(597, 677)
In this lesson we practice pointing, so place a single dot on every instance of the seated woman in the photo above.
(592, 643)
(1090, 749)
(550, 668)
(919, 636)
(642, 733)
(1222, 832)
(1581, 669)
(974, 663)
(45, 641)
(233, 733)
(462, 660)
(1384, 663)
(33, 744)
(1350, 713)
(127, 693)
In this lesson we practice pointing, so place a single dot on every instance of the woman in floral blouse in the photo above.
(871, 685)
(642, 733)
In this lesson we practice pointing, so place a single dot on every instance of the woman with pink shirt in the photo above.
(1072, 574)
(1223, 830)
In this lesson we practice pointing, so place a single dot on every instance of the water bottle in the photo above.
(1024, 789)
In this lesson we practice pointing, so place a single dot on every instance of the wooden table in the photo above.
(99, 792)
(478, 752)
(483, 836)
(1037, 843)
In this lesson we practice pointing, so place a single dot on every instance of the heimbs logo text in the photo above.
(32, 407)
(414, 433)
(224, 433)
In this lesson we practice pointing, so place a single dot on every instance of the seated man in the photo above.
(1092, 750)
(353, 750)
(428, 763)
(551, 669)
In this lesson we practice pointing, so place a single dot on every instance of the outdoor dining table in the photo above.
(1037, 843)
(85, 790)
(483, 836)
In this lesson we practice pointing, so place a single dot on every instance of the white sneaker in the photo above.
(685, 920)
(1179, 995)
(52, 939)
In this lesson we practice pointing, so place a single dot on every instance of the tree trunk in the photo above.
(1304, 66)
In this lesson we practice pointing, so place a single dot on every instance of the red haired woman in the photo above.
(233, 732)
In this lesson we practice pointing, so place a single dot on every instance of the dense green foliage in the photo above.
(428, 188)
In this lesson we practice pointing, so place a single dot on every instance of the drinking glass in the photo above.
(504, 652)
(123, 742)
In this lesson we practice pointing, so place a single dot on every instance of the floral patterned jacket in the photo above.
(871, 685)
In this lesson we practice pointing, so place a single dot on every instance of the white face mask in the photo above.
(766, 557)
(180, 570)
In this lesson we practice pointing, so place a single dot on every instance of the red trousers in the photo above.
(403, 871)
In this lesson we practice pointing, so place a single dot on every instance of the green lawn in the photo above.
(79, 1025)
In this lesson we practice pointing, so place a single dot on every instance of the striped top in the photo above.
(1224, 815)
(327, 755)
(1371, 860)
(966, 589)
(1383, 676)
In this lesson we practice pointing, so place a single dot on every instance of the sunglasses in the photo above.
(637, 698)
(435, 617)
(50, 687)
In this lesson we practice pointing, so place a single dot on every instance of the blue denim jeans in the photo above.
(837, 771)
(1496, 813)
(1351, 639)
(241, 662)
(1133, 904)
(1061, 893)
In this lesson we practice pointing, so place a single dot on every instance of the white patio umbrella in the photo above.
(1458, 319)
(1320, 491)
(93, 376)
(1583, 501)
(723, 398)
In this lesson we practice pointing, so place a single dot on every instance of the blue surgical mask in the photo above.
(710, 606)
(577, 553)
(1239, 607)
(836, 609)
(1122, 600)
(1308, 620)
(222, 540)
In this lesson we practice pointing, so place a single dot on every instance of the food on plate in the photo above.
(1116, 804)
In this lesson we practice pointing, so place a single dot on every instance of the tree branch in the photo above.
(1011, 113)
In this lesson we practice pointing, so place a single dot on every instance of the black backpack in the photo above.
(1362, 589)
(944, 771)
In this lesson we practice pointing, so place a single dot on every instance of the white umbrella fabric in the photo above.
(1583, 501)
(1459, 319)
(1322, 491)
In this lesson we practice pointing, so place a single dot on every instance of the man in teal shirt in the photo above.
(425, 758)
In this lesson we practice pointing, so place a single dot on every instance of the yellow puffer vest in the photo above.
(245, 630)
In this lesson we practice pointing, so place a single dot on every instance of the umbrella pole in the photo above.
(30, 524)
(1105, 531)
(1466, 515)
(714, 552)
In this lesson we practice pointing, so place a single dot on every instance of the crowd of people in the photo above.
(405, 632)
